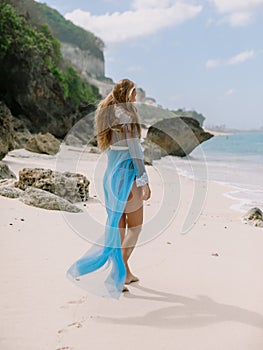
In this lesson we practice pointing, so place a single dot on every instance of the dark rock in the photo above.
(22, 134)
(95, 150)
(35, 93)
(43, 199)
(177, 136)
(5, 172)
(43, 143)
(82, 133)
(254, 217)
(22, 138)
(152, 152)
(72, 140)
(71, 186)
(7, 134)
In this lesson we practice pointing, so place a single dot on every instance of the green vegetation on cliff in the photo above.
(17, 35)
(68, 32)
(151, 114)
(22, 42)
(65, 31)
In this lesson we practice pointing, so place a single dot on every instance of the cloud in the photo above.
(239, 19)
(143, 4)
(143, 20)
(241, 57)
(230, 6)
(238, 12)
(212, 63)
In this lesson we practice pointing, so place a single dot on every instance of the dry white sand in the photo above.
(198, 291)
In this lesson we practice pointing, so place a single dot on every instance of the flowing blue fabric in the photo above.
(101, 270)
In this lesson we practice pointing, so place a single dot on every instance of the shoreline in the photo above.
(194, 288)
(218, 132)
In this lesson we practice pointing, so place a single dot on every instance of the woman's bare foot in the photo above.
(125, 289)
(130, 278)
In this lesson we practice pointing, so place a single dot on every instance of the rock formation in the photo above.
(152, 151)
(22, 134)
(36, 94)
(82, 133)
(43, 199)
(32, 83)
(87, 63)
(5, 172)
(45, 188)
(7, 135)
(254, 217)
(10, 192)
(43, 143)
(70, 186)
(176, 136)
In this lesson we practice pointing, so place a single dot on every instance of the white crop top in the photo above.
(125, 140)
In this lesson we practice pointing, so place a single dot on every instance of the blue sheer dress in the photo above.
(101, 270)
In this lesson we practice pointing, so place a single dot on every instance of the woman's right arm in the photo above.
(136, 154)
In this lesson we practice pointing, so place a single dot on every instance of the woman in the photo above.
(126, 185)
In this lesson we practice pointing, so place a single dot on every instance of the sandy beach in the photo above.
(198, 291)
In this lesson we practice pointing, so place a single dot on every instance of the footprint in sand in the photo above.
(74, 302)
(80, 301)
(74, 324)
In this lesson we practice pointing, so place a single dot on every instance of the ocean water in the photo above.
(235, 160)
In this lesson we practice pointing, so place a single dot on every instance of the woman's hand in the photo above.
(146, 192)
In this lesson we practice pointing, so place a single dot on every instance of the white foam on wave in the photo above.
(244, 178)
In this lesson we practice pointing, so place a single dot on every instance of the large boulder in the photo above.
(70, 186)
(152, 152)
(43, 199)
(43, 143)
(177, 136)
(7, 135)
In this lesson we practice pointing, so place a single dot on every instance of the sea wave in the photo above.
(238, 164)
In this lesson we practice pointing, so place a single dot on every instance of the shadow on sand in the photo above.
(186, 313)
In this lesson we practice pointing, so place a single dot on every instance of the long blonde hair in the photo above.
(105, 116)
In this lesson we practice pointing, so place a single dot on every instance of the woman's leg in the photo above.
(122, 226)
(133, 218)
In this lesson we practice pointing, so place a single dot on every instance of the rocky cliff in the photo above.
(79, 47)
(87, 64)
(39, 88)
(7, 137)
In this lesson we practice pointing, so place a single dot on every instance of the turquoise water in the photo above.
(235, 159)
(239, 144)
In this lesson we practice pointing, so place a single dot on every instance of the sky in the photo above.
(205, 55)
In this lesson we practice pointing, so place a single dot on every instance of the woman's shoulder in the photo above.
(122, 115)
